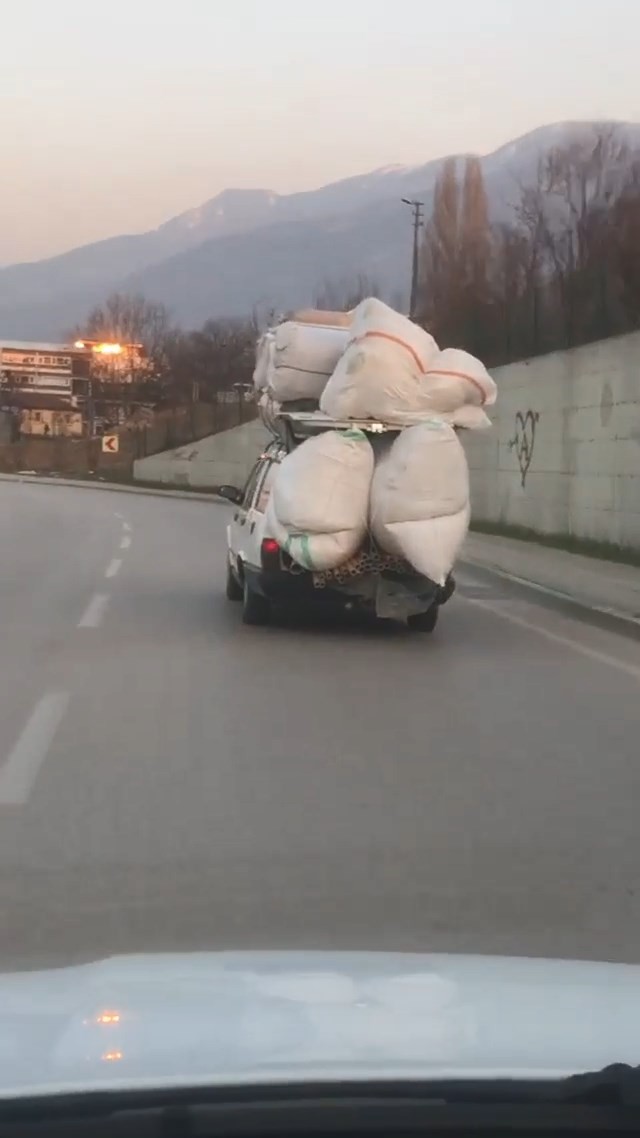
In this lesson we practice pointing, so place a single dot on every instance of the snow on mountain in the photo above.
(243, 245)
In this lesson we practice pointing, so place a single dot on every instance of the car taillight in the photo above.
(270, 553)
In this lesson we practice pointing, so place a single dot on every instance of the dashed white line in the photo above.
(113, 567)
(19, 773)
(119, 516)
(126, 542)
(94, 612)
(126, 527)
(556, 638)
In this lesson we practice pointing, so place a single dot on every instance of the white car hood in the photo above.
(233, 1018)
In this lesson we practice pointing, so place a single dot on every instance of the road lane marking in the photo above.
(126, 542)
(559, 594)
(555, 637)
(113, 567)
(94, 611)
(126, 527)
(466, 581)
(19, 773)
(119, 516)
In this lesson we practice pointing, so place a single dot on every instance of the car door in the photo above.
(256, 505)
(240, 528)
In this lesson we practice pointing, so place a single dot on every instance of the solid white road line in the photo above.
(467, 582)
(19, 773)
(126, 542)
(94, 611)
(566, 641)
(549, 591)
(113, 567)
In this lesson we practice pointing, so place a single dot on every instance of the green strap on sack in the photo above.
(303, 555)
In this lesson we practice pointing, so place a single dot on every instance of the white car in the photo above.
(249, 554)
(320, 1043)
(260, 573)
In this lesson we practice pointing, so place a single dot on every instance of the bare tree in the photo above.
(475, 258)
(214, 358)
(583, 181)
(510, 262)
(130, 319)
(626, 245)
(457, 256)
(343, 294)
(440, 267)
(531, 227)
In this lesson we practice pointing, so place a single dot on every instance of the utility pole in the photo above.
(91, 408)
(416, 210)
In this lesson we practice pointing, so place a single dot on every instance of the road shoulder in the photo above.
(606, 587)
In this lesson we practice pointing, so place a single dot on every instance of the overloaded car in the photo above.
(261, 573)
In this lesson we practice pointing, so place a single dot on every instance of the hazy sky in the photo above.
(116, 115)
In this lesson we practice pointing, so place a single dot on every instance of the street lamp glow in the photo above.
(108, 349)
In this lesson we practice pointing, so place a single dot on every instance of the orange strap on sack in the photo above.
(425, 371)
(460, 375)
(394, 340)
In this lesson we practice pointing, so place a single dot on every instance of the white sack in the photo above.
(304, 357)
(420, 498)
(468, 418)
(379, 374)
(318, 508)
(456, 379)
(322, 316)
(264, 361)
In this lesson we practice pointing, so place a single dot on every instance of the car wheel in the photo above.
(255, 608)
(234, 588)
(424, 621)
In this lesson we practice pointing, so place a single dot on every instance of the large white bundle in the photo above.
(379, 375)
(420, 498)
(323, 316)
(304, 356)
(264, 360)
(469, 418)
(456, 379)
(318, 508)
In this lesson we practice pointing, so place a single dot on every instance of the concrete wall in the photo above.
(74, 458)
(225, 457)
(564, 453)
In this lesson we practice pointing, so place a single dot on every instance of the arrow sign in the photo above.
(110, 444)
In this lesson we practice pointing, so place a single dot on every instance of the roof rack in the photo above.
(294, 427)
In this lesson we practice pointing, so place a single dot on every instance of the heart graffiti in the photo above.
(524, 441)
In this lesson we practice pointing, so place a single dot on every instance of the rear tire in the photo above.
(255, 608)
(424, 621)
(233, 589)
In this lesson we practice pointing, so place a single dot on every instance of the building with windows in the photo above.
(68, 389)
(49, 417)
(114, 362)
(46, 368)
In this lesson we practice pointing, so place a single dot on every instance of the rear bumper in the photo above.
(293, 588)
(282, 587)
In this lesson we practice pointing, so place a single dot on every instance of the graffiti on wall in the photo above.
(524, 441)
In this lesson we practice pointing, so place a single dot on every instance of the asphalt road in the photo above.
(170, 779)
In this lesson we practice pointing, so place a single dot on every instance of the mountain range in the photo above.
(247, 249)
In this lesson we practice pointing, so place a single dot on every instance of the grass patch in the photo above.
(603, 550)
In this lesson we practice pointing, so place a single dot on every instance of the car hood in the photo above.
(234, 1018)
